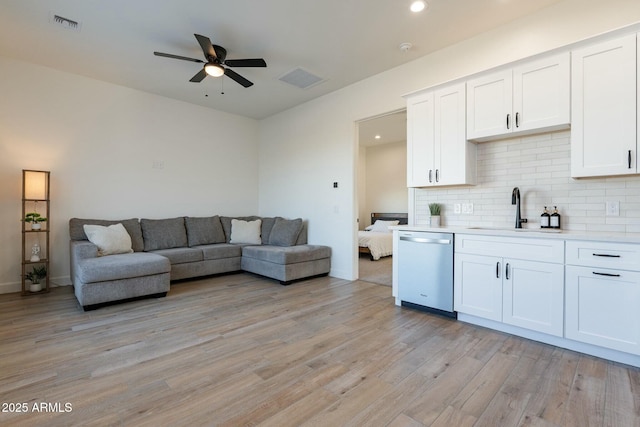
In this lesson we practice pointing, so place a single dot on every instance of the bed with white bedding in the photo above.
(376, 239)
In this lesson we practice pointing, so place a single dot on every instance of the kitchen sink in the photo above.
(519, 230)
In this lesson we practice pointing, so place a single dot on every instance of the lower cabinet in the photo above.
(533, 296)
(477, 286)
(603, 307)
(528, 294)
(521, 284)
(588, 303)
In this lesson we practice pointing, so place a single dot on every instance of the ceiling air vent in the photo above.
(301, 78)
(66, 23)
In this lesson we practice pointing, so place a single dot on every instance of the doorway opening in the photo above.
(381, 147)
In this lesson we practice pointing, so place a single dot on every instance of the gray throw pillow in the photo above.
(285, 232)
(163, 233)
(204, 230)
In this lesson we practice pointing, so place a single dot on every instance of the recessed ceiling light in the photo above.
(418, 6)
(377, 137)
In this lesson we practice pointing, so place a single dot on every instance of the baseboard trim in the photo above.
(12, 287)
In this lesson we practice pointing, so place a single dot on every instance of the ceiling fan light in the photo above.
(418, 6)
(214, 70)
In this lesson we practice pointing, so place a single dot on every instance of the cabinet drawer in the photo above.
(531, 249)
(625, 256)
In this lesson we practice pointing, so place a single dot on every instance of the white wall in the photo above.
(317, 138)
(386, 180)
(100, 141)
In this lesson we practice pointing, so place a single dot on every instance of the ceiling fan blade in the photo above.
(255, 62)
(207, 47)
(199, 77)
(184, 58)
(237, 77)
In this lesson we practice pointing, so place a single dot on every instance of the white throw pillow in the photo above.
(247, 232)
(110, 240)
(381, 225)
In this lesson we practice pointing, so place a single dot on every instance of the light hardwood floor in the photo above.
(241, 350)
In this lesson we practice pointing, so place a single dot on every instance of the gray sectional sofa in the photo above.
(165, 250)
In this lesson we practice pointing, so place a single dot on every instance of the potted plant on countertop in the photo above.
(39, 272)
(434, 209)
(35, 219)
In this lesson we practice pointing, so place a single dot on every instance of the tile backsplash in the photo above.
(540, 166)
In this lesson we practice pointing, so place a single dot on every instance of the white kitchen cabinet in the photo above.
(531, 97)
(477, 286)
(533, 295)
(420, 139)
(602, 307)
(603, 295)
(603, 104)
(438, 152)
(521, 285)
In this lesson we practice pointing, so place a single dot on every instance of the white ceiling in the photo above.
(385, 129)
(343, 41)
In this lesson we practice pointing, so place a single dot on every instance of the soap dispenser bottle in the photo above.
(545, 219)
(554, 219)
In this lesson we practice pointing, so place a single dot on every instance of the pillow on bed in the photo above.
(381, 225)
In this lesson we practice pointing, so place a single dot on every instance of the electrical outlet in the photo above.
(613, 209)
(467, 208)
(456, 208)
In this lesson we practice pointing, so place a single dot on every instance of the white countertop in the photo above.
(527, 233)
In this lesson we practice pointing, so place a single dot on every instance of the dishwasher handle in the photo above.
(425, 240)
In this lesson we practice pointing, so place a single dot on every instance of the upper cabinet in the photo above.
(437, 149)
(604, 129)
(531, 97)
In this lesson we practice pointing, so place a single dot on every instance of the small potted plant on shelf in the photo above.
(434, 210)
(35, 219)
(39, 272)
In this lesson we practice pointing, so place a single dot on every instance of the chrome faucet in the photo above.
(515, 200)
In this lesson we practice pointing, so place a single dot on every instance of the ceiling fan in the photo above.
(216, 63)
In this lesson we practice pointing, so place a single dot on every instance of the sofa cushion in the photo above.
(110, 240)
(267, 226)
(246, 232)
(181, 255)
(204, 230)
(287, 255)
(285, 232)
(123, 266)
(163, 233)
(132, 225)
(220, 251)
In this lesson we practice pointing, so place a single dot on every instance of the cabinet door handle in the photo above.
(437, 175)
(607, 255)
(508, 116)
(517, 120)
(497, 270)
(606, 274)
(507, 271)
(430, 180)
(629, 158)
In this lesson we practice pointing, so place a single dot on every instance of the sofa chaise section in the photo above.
(100, 280)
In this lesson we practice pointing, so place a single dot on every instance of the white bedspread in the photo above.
(379, 243)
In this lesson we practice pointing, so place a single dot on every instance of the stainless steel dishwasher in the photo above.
(425, 271)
